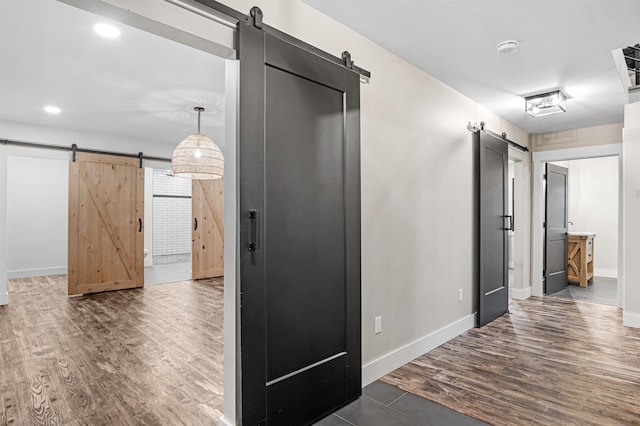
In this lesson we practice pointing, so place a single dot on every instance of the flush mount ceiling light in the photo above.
(52, 109)
(107, 30)
(546, 103)
(198, 157)
(507, 47)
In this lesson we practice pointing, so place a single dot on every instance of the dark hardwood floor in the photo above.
(146, 356)
(552, 361)
(154, 356)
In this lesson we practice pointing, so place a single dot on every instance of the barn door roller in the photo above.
(256, 17)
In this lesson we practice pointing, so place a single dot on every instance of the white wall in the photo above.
(631, 190)
(37, 218)
(593, 207)
(4, 294)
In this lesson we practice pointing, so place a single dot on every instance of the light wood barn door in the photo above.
(106, 235)
(208, 229)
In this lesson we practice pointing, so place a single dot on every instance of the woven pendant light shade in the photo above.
(198, 157)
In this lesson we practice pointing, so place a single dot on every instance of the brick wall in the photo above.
(171, 216)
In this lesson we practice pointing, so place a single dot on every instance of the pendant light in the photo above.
(198, 157)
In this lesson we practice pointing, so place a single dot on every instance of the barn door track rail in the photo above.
(231, 17)
(74, 149)
(481, 127)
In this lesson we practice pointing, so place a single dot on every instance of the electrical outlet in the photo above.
(377, 325)
(459, 295)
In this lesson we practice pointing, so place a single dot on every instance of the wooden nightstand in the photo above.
(580, 247)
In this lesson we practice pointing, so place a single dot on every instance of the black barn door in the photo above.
(556, 256)
(299, 189)
(494, 222)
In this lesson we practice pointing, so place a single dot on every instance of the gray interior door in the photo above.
(493, 224)
(299, 186)
(556, 255)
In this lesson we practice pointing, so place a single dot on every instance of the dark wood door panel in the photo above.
(299, 190)
(304, 221)
(493, 284)
(556, 252)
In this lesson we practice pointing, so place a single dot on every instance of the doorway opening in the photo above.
(592, 230)
(518, 192)
(594, 197)
(127, 95)
(511, 180)
(167, 210)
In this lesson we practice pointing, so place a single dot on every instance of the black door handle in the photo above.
(139, 225)
(195, 228)
(253, 217)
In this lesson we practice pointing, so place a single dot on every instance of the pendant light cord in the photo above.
(199, 110)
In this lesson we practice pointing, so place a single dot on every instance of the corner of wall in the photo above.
(521, 293)
(631, 320)
(222, 421)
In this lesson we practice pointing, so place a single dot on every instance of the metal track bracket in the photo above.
(346, 56)
(256, 14)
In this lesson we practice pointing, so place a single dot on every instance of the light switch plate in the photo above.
(377, 325)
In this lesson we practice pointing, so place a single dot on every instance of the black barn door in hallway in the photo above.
(556, 254)
(299, 186)
(494, 222)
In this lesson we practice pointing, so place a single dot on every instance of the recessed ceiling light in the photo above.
(52, 109)
(507, 47)
(107, 30)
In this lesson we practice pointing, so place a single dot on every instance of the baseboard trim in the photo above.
(605, 273)
(520, 293)
(222, 421)
(4, 299)
(631, 320)
(375, 369)
(37, 272)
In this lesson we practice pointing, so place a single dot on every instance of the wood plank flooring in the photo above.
(145, 356)
(550, 362)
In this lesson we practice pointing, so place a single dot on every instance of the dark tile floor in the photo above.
(600, 290)
(383, 404)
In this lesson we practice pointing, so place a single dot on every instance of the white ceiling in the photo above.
(143, 86)
(138, 86)
(564, 44)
